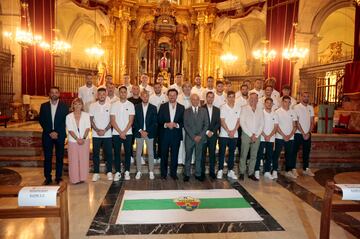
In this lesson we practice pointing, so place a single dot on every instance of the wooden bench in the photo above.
(328, 207)
(34, 212)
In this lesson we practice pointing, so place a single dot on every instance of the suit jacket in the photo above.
(164, 117)
(196, 124)
(215, 122)
(150, 121)
(59, 122)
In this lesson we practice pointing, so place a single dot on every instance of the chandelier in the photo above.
(294, 54)
(57, 48)
(264, 55)
(357, 2)
(24, 37)
(95, 51)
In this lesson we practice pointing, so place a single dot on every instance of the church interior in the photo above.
(311, 46)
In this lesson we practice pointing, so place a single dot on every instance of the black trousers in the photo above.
(289, 155)
(211, 146)
(106, 144)
(169, 144)
(48, 146)
(117, 151)
(306, 148)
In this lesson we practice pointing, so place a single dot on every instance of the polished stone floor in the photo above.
(294, 206)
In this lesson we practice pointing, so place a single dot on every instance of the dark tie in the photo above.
(196, 110)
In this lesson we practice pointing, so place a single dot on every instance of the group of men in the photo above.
(190, 121)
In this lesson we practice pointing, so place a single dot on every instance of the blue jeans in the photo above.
(267, 156)
(106, 144)
(231, 144)
(117, 151)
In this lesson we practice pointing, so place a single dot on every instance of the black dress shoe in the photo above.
(58, 180)
(241, 177)
(175, 177)
(201, 179)
(47, 181)
(252, 177)
(212, 175)
(186, 178)
(163, 177)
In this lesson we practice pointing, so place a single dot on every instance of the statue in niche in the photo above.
(164, 61)
(143, 65)
(333, 53)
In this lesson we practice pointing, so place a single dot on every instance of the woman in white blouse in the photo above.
(78, 126)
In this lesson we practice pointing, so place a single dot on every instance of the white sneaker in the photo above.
(257, 174)
(109, 176)
(274, 175)
(157, 161)
(117, 177)
(231, 174)
(95, 177)
(142, 161)
(138, 175)
(294, 172)
(127, 175)
(308, 172)
(151, 176)
(267, 175)
(290, 175)
(219, 174)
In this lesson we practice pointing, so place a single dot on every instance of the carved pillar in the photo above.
(314, 47)
(201, 50)
(123, 46)
(107, 42)
(116, 49)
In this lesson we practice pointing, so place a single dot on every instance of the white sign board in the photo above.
(38, 196)
(350, 191)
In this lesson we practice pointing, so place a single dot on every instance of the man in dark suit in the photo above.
(145, 127)
(52, 120)
(213, 114)
(196, 123)
(171, 120)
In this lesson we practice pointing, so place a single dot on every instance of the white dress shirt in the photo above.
(252, 122)
(145, 108)
(53, 112)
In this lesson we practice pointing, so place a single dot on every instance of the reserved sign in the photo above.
(350, 191)
(37, 196)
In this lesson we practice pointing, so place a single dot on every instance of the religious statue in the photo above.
(143, 65)
(164, 61)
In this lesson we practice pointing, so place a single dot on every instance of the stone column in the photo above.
(201, 51)
(123, 46)
(116, 56)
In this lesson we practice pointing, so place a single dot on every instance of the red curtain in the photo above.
(37, 66)
(281, 14)
(352, 78)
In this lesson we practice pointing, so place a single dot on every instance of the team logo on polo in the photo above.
(187, 203)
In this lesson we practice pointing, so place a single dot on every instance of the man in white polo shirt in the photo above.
(128, 85)
(267, 142)
(111, 96)
(268, 94)
(198, 89)
(101, 133)
(258, 88)
(305, 125)
(252, 124)
(158, 97)
(285, 136)
(145, 84)
(88, 92)
(220, 97)
(209, 86)
(230, 122)
(160, 80)
(242, 95)
(178, 83)
(122, 117)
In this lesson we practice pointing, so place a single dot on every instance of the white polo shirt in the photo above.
(286, 120)
(148, 88)
(198, 91)
(129, 89)
(101, 114)
(184, 100)
(177, 87)
(252, 122)
(275, 94)
(241, 101)
(112, 100)
(219, 100)
(231, 116)
(164, 90)
(87, 94)
(158, 100)
(270, 120)
(260, 92)
(122, 111)
(304, 114)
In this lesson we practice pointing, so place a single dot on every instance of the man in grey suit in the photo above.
(196, 123)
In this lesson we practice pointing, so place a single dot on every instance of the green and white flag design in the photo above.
(155, 207)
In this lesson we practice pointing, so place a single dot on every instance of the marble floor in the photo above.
(294, 206)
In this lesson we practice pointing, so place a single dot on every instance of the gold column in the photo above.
(123, 46)
(116, 62)
(201, 50)
(107, 42)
